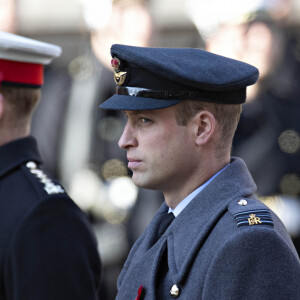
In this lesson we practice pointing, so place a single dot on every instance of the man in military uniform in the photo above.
(47, 248)
(212, 238)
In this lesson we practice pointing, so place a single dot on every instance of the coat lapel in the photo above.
(145, 245)
(143, 262)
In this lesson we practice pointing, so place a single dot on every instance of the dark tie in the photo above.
(164, 224)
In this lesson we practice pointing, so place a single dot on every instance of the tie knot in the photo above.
(164, 224)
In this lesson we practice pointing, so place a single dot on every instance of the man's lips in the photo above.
(133, 163)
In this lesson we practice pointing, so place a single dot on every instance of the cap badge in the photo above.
(119, 76)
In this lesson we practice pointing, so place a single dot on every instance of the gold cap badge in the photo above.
(119, 76)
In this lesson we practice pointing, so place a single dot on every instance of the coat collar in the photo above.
(195, 222)
(18, 152)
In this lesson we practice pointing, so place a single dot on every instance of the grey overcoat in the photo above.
(219, 247)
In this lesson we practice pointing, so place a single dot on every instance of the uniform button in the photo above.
(174, 291)
(31, 165)
(243, 202)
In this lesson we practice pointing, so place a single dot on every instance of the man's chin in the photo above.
(144, 184)
(139, 180)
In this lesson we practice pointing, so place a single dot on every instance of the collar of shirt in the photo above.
(183, 204)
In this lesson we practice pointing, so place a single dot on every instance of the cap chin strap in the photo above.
(228, 97)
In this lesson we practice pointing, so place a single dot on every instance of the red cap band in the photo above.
(21, 73)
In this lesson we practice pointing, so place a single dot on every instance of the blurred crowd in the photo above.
(78, 141)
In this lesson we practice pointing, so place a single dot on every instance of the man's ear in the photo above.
(1, 105)
(205, 125)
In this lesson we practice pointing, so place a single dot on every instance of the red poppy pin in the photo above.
(140, 293)
(115, 63)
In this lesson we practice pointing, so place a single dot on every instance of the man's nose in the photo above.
(127, 138)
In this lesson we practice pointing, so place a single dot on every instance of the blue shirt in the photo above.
(183, 204)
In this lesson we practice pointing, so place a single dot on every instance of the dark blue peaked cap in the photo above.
(153, 78)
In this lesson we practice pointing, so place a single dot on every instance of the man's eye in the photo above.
(145, 120)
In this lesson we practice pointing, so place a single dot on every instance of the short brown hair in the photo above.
(227, 116)
(21, 101)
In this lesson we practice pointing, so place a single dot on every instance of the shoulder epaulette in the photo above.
(249, 212)
(49, 186)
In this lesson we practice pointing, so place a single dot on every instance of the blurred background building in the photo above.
(79, 142)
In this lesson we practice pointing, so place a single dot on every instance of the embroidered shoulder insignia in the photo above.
(49, 186)
(254, 217)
